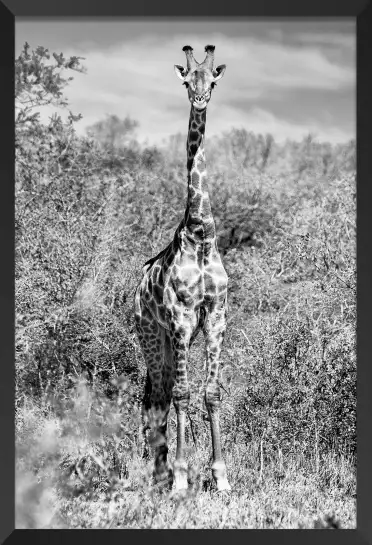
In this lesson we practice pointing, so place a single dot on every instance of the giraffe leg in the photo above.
(180, 339)
(145, 426)
(168, 370)
(214, 330)
(156, 402)
(168, 381)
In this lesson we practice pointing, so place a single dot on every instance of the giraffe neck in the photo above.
(198, 215)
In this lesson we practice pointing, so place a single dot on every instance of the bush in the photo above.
(91, 210)
(301, 392)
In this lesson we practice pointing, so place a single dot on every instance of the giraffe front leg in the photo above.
(156, 402)
(214, 331)
(181, 396)
(155, 409)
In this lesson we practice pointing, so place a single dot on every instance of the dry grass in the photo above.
(288, 377)
(72, 473)
(88, 215)
(285, 217)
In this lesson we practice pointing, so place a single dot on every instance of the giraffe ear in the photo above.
(180, 71)
(219, 72)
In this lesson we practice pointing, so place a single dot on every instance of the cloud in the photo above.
(136, 77)
(262, 121)
(330, 39)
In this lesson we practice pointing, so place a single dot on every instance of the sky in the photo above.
(284, 77)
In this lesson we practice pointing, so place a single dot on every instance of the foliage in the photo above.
(89, 212)
(113, 132)
(40, 81)
(86, 455)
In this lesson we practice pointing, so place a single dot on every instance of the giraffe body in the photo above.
(183, 291)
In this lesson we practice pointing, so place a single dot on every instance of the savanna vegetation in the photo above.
(89, 212)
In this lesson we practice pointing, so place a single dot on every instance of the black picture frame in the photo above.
(362, 11)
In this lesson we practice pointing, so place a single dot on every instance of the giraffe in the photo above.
(183, 291)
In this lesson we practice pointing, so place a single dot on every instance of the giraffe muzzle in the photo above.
(200, 101)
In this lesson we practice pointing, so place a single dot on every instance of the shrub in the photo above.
(91, 210)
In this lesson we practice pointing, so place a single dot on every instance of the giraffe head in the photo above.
(199, 79)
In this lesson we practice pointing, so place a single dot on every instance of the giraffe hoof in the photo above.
(163, 478)
(223, 486)
(180, 475)
(180, 483)
(220, 477)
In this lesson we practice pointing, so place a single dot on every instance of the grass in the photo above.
(87, 217)
(68, 478)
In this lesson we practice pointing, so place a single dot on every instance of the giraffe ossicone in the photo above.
(183, 291)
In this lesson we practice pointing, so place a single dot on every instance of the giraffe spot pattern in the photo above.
(206, 207)
(193, 149)
(195, 179)
(183, 289)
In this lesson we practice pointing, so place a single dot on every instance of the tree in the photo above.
(40, 81)
(113, 132)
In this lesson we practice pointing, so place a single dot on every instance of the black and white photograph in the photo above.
(185, 273)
